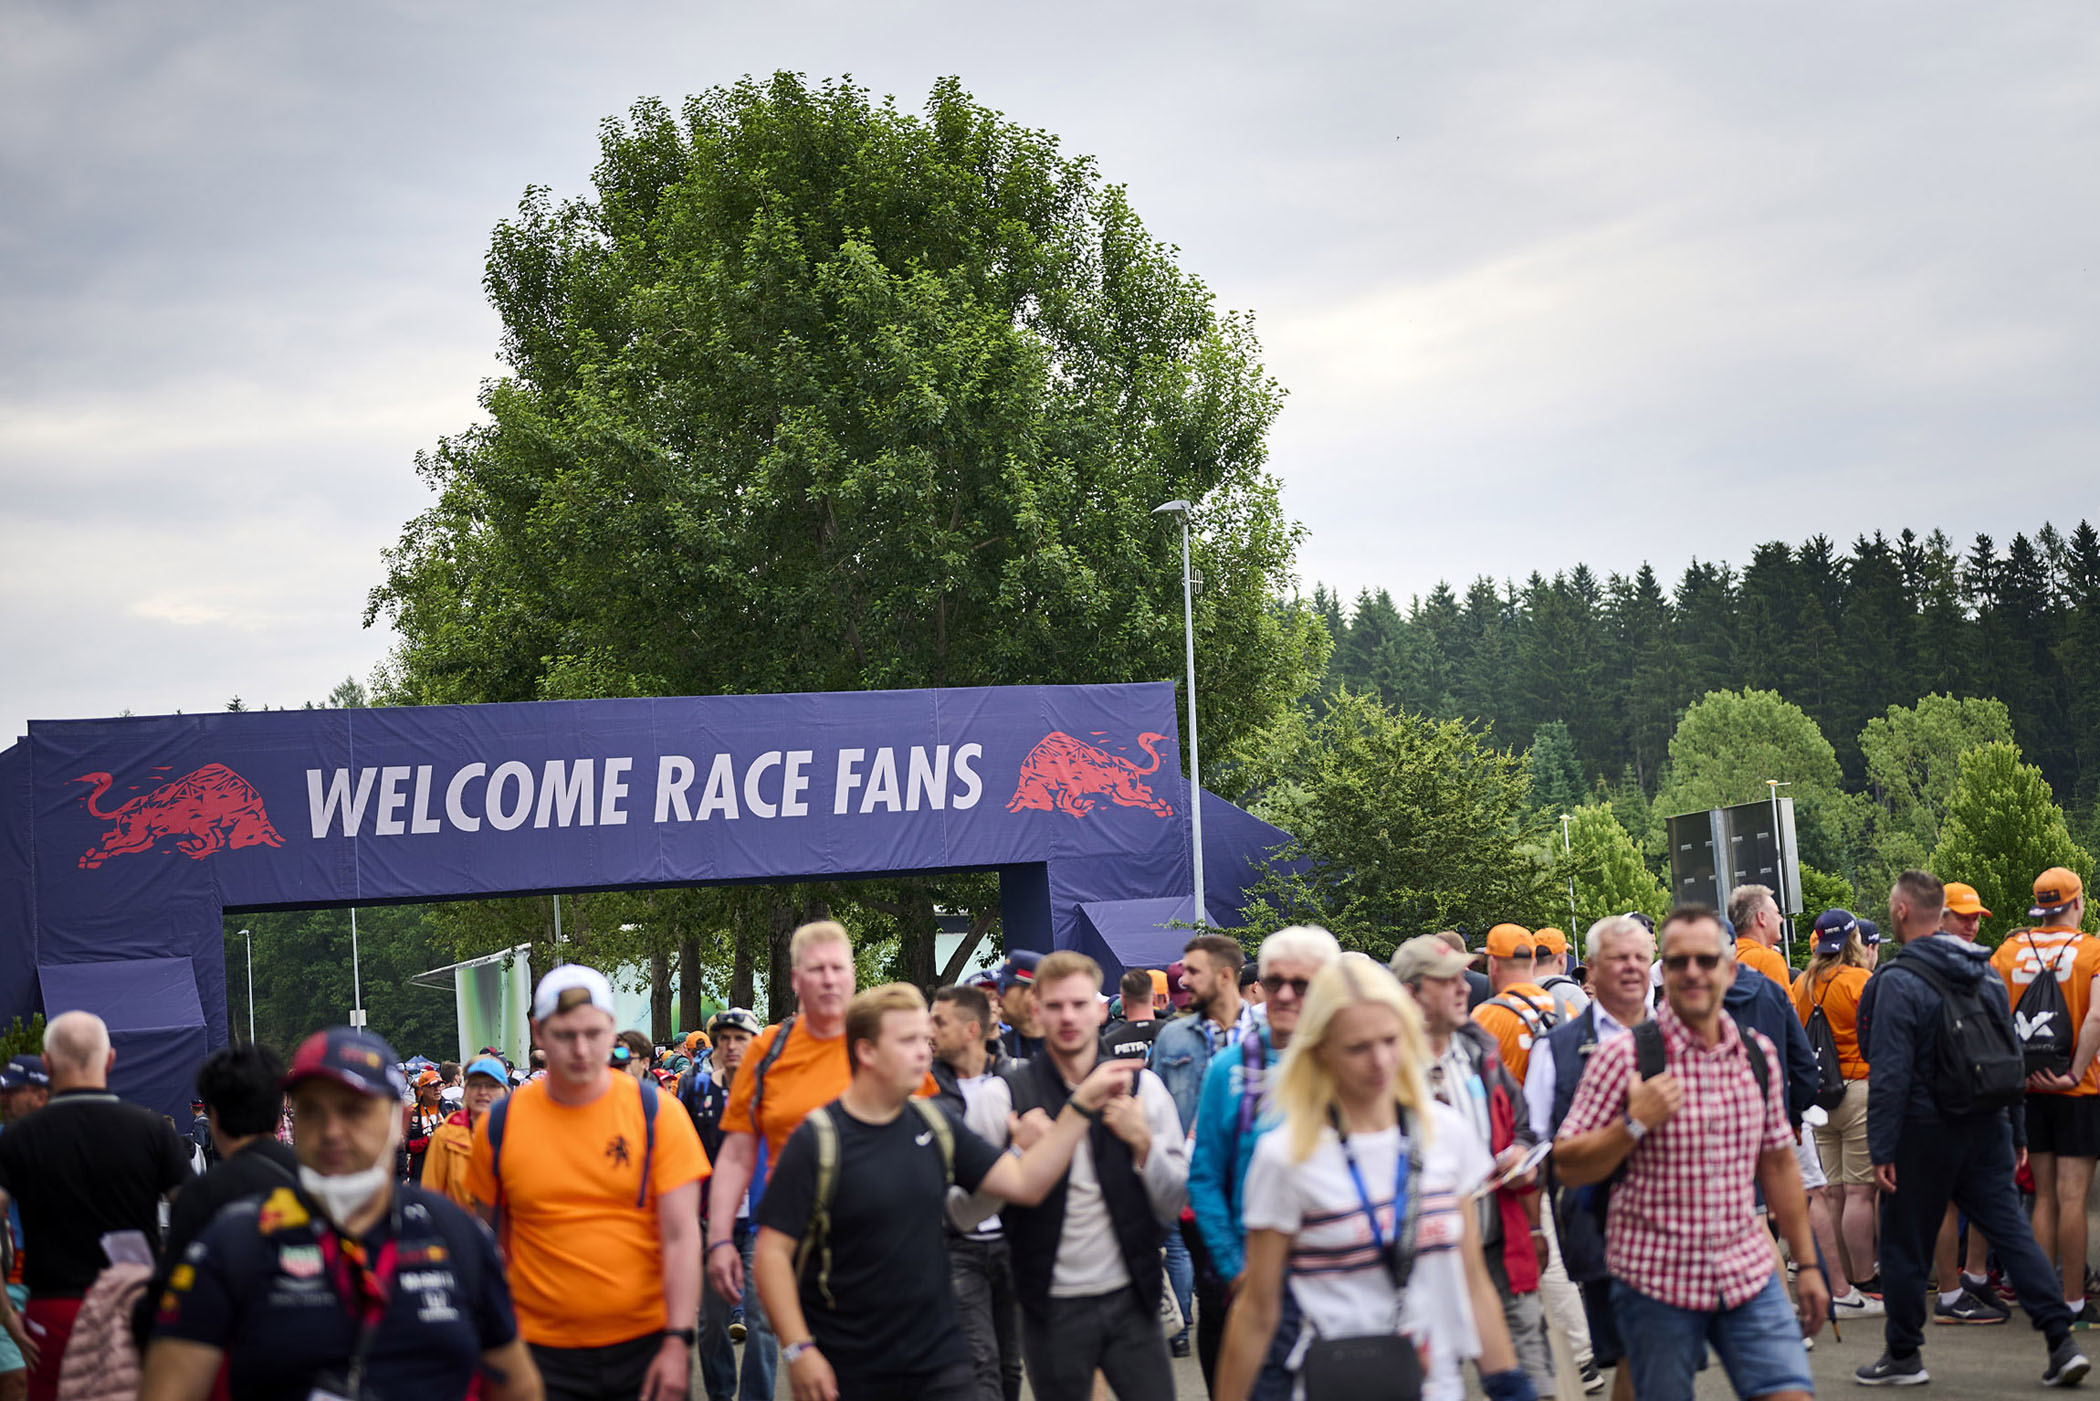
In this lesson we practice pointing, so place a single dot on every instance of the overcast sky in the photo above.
(1546, 283)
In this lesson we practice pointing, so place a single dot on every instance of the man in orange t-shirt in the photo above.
(811, 1070)
(598, 1207)
(1759, 927)
(1518, 1012)
(2063, 1110)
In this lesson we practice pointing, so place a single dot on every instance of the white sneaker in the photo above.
(1857, 1305)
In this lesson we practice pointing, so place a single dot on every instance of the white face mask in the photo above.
(341, 1196)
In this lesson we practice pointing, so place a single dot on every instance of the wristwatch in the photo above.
(684, 1335)
(794, 1351)
(1635, 1129)
(1092, 1116)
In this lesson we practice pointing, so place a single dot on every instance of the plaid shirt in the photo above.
(1682, 1228)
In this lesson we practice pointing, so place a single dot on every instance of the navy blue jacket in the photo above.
(1756, 1001)
(1902, 1038)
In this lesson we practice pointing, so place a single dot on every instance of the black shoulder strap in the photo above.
(1650, 1057)
(758, 1073)
(1759, 1066)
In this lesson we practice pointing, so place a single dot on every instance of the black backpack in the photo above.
(1830, 1074)
(2041, 1019)
(1979, 1067)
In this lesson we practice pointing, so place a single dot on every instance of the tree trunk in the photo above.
(745, 937)
(660, 998)
(980, 924)
(915, 947)
(691, 986)
(780, 986)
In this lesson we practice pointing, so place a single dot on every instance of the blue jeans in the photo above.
(1758, 1342)
(1181, 1276)
(718, 1371)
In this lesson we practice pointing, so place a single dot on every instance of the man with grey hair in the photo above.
(1235, 1090)
(1618, 949)
(84, 1165)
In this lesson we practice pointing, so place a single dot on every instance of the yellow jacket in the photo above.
(445, 1165)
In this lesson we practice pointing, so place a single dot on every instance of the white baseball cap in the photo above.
(572, 985)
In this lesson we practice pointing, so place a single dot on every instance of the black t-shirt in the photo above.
(268, 1285)
(85, 1164)
(1127, 1040)
(261, 1167)
(896, 1315)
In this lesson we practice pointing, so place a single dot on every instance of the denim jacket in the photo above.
(1182, 1051)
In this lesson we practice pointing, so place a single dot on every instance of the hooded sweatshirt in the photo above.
(1905, 1028)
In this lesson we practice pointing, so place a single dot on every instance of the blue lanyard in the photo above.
(1405, 1157)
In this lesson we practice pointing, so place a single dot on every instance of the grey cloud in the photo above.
(1547, 284)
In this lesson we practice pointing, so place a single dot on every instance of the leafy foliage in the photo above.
(2002, 829)
(1730, 742)
(1405, 825)
(809, 393)
(1844, 634)
(20, 1039)
(1611, 876)
(303, 975)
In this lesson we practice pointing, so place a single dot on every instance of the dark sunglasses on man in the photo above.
(1678, 962)
(1273, 983)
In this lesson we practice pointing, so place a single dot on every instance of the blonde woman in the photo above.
(1357, 1134)
(1834, 981)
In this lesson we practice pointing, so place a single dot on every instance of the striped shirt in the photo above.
(1337, 1273)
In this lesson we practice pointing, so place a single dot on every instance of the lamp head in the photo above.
(1177, 507)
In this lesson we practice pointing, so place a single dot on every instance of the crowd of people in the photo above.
(1324, 1176)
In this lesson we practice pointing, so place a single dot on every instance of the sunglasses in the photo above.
(1678, 962)
(1274, 983)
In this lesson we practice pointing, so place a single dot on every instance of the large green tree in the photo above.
(1913, 758)
(1730, 742)
(2002, 829)
(1404, 825)
(1610, 876)
(811, 393)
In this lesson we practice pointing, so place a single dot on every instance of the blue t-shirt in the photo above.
(267, 1283)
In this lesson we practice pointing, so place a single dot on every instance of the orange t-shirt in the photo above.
(1838, 991)
(2076, 959)
(1751, 954)
(810, 1074)
(1514, 1034)
(585, 1263)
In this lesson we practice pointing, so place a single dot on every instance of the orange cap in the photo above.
(1159, 982)
(1550, 940)
(1510, 941)
(2054, 889)
(1963, 900)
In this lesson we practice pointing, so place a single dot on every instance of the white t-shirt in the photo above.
(1336, 1272)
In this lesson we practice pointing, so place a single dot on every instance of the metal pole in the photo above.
(357, 987)
(1188, 630)
(1779, 868)
(557, 919)
(251, 985)
(1567, 849)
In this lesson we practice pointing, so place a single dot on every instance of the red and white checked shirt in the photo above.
(1682, 1227)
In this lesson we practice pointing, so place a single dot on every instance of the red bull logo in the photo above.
(210, 809)
(1066, 774)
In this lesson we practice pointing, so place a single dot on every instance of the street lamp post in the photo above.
(1567, 850)
(1772, 787)
(357, 990)
(250, 938)
(1188, 632)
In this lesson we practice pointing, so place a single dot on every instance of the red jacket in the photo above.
(1519, 1261)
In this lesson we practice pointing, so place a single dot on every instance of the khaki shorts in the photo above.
(1841, 1144)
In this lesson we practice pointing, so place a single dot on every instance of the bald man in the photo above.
(85, 1164)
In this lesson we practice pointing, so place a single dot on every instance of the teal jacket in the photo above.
(1219, 1156)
